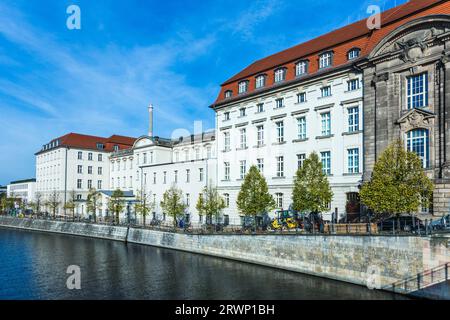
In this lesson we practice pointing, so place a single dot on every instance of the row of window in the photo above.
(201, 176)
(301, 68)
(90, 156)
(353, 164)
(89, 170)
(89, 184)
(325, 125)
(301, 98)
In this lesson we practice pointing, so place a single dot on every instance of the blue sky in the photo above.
(174, 54)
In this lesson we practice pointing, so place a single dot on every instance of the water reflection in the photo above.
(33, 266)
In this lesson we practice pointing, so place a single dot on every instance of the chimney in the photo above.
(150, 120)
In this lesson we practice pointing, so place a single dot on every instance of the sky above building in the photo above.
(174, 54)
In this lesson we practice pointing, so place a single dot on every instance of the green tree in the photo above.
(93, 202)
(210, 203)
(143, 205)
(116, 203)
(254, 197)
(71, 204)
(37, 203)
(398, 183)
(311, 192)
(173, 203)
(53, 202)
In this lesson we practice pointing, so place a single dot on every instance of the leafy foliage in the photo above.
(210, 203)
(143, 205)
(254, 197)
(53, 202)
(173, 204)
(93, 202)
(70, 204)
(116, 203)
(398, 183)
(311, 192)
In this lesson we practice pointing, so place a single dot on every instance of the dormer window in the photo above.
(100, 146)
(280, 75)
(353, 53)
(243, 86)
(326, 60)
(116, 148)
(260, 81)
(301, 68)
(228, 94)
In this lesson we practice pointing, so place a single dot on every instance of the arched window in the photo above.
(280, 75)
(353, 53)
(228, 93)
(260, 81)
(301, 68)
(243, 86)
(418, 141)
(326, 60)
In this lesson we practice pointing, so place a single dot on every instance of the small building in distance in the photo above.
(22, 189)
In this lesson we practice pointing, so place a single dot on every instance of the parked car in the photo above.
(441, 224)
(403, 223)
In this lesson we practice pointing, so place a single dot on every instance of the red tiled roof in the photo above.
(83, 141)
(340, 41)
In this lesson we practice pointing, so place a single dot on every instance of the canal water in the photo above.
(33, 266)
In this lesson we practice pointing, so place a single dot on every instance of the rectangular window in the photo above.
(80, 155)
(154, 177)
(243, 86)
(417, 91)
(197, 154)
(90, 156)
(165, 177)
(79, 183)
(226, 116)
(100, 157)
(145, 158)
(243, 168)
(260, 107)
(89, 169)
(279, 103)
(280, 167)
(326, 123)
(188, 175)
(99, 184)
(325, 91)
(200, 174)
(243, 138)
(242, 112)
(353, 119)
(301, 97)
(301, 68)
(226, 141)
(353, 84)
(100, 171)
(260, 135)
(260, 163)
(80, 169)
(226, 175)
(353, 160)
(300, 160)
(175, 176)
(326, 162)
(280, 131)
(301, 128)
(188, 199)
(279, 200)
(226, 198)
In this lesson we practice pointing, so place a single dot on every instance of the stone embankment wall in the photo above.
(346, 258)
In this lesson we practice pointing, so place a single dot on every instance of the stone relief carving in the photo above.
(413, 44)
(416, 118)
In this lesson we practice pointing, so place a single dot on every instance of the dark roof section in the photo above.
(23, 181)
(329, 40)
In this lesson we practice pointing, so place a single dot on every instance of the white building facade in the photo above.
(278, 129)
(22, 189)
